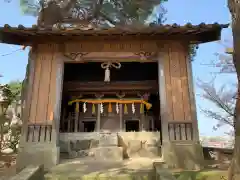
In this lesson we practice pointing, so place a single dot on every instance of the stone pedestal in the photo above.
(108, 149)
(110, 153)
(38, 146)
(108, 139)
(37, 154)
(188, 156)
(142, 149)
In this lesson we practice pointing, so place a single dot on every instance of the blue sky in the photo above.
(195, 11)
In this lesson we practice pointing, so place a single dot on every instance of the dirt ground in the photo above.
(7, 165)
(212, 172)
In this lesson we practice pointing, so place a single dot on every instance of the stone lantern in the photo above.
(3, 104)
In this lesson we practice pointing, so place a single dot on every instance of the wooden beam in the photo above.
(112, 86)
(79, 93)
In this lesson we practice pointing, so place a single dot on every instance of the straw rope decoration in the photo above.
(120, 101)
(110, 101)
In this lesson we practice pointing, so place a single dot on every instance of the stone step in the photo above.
(103, 176)
(106, 153)
(108, 139)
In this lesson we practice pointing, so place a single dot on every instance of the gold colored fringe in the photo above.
(77, 107)
(141, 108)
(122, 101)
(110, 108)
(125, 109)
(93, 109)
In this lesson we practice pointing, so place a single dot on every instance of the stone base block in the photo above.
(153, 152)
(45, 154)
(141, 149)
(108, 139)
(108, 153)
(185, 156)
(148, 152)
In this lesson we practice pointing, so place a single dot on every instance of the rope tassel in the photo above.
(77, 107)
(125, 109)
(110, 108)
(107, 75)
(141, 108)
(93, 109)
(107, 66)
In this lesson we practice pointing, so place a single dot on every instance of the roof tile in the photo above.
(165, 30)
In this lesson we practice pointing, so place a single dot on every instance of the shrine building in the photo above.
(110, 94)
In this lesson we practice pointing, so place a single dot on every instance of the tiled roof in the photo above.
(217, 142)
(23, 35)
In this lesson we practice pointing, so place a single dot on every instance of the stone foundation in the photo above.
(140, 144)
(187, 156)
(37, 154)
(108, 153)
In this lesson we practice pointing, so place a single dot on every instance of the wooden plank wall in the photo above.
(43, 91)
(176, 79)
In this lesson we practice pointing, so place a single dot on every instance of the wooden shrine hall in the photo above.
(110, 93)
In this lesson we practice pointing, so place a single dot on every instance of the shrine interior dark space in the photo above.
(129, 71)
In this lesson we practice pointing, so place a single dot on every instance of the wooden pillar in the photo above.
(42, 139)
(162, 96)
(120, 96)
(152, 124)
(142, 120)
(69, 122)
(59, 88)
(121, 116)
(98, 123)
(62, 120)
(142, 115)
(76, 121)
(192, 101)
(28, 91)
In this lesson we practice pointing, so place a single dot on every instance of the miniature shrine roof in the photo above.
(193, 33)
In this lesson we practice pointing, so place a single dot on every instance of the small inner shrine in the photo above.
(128, 102)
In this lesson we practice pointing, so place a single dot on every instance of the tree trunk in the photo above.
(234, 7)
(1, 139)
(234, 169)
